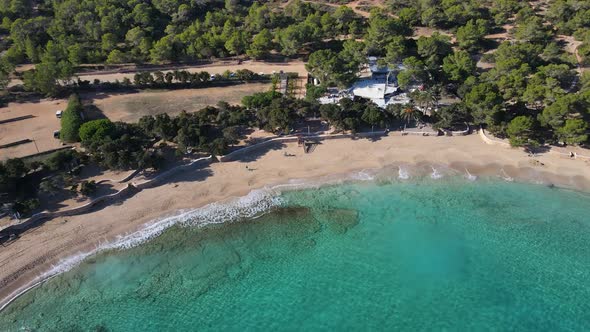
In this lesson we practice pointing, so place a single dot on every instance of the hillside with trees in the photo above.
(506, 62)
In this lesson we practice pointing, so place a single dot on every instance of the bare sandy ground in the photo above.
(355, 5)
(130, 107)
(502, 36)
(37, 250)
(39, 128)
(428, 32)
(571, 46)
(127, 107)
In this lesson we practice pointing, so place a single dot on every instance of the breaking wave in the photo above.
(470, 176)
(435, 174)
(255, 203)
(403, 173)
(364, 175)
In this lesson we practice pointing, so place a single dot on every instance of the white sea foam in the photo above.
(298, 184)
(435, 174)
(363, 175)
(470, 176)
(67, 264)
(251, 205)
(403, 173)
(506, 177)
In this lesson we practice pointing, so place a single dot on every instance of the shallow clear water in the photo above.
(420, 255)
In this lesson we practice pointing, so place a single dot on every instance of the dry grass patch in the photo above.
(131, 107)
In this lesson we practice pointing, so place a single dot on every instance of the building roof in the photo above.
(373, 89)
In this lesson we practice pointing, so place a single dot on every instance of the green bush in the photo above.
(25, 207)
(314, 92)
(88, 188)
(71, 120)
(61, 160)
(95, 131)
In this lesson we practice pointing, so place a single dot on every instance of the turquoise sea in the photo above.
(417, 255)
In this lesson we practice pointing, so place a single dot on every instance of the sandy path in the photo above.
(352, 5)
(571, 46)
(255, 66)
(38, 249)
(502, 36)
(112, 75)
(428, 32)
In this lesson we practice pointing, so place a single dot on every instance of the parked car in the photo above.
(56, 134)
(58, 114)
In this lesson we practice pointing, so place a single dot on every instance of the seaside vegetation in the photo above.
(523, 86)
(21, 181)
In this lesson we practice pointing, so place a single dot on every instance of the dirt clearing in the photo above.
(38, 128)
(131, 107)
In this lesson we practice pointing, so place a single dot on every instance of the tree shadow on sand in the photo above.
(193, 175)
(196, 174)
(257, 153)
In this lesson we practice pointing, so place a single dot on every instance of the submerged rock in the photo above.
(338, 221)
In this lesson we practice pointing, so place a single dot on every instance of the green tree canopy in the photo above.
(382, 28)
(575, 131)
(449, 117)
(261, 45)
(458, 66)
(373, 115)
(330, 68)
(96, 131)
(510, 56)
(434, 48)
(521, 131)
(71, 120)
(532, 30)
(572, 106)
(414, 72)
(485, 102)
(471, 35)
(163, 50)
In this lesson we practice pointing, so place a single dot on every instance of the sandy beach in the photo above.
(25, 259)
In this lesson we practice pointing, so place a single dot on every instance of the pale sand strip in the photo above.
(38, 249)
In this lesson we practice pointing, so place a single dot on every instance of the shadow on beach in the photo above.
(11, 233)
(256, 153)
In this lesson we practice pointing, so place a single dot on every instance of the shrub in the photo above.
(96, 131)
(88, 188)
(26, 206)
(61, 160)
(71, 120)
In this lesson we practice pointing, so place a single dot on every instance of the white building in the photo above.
(381, 87)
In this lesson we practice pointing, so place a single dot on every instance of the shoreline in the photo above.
(335, 160)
